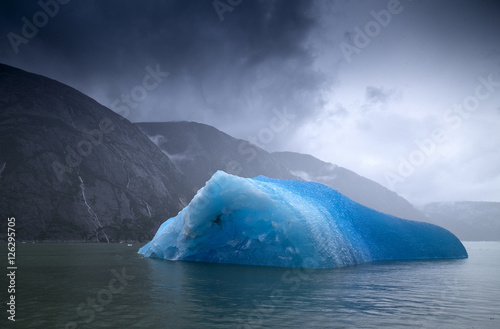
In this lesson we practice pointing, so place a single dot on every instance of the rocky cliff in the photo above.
(71, 169)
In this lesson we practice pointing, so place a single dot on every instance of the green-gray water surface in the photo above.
(71, 285)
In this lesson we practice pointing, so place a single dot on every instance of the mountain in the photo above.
(355, 187)
(71, 169)
(199, 150)
(470, 221)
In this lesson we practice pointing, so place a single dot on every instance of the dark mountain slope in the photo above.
(199, 150)
(71, 169)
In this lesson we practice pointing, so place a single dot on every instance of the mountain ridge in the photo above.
(199, 150)
(356, 187)
(71, 169)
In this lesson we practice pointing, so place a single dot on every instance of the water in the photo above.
(76, 286)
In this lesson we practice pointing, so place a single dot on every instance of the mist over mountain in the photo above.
(71, 169)
(347, 182)
(470, 221)
(199, 150)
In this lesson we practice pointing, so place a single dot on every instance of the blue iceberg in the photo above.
(273, 222)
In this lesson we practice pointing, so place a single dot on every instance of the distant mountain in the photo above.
(470, 221)
(357, 188)
(199, 150)
(71, 169)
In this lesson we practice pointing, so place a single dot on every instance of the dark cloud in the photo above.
(255, 61)
(378, 94)
(268, 58)
(341, 111)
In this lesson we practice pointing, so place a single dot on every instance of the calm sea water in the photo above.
(111, 286)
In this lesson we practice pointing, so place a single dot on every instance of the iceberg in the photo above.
(287, 223)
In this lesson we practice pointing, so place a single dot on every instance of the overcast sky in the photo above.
(405, 93)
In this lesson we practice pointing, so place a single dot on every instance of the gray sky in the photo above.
(405, 93)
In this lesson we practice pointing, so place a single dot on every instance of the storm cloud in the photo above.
(241, 64)
(255, 61)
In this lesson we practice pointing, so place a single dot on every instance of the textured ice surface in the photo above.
(263, 221)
